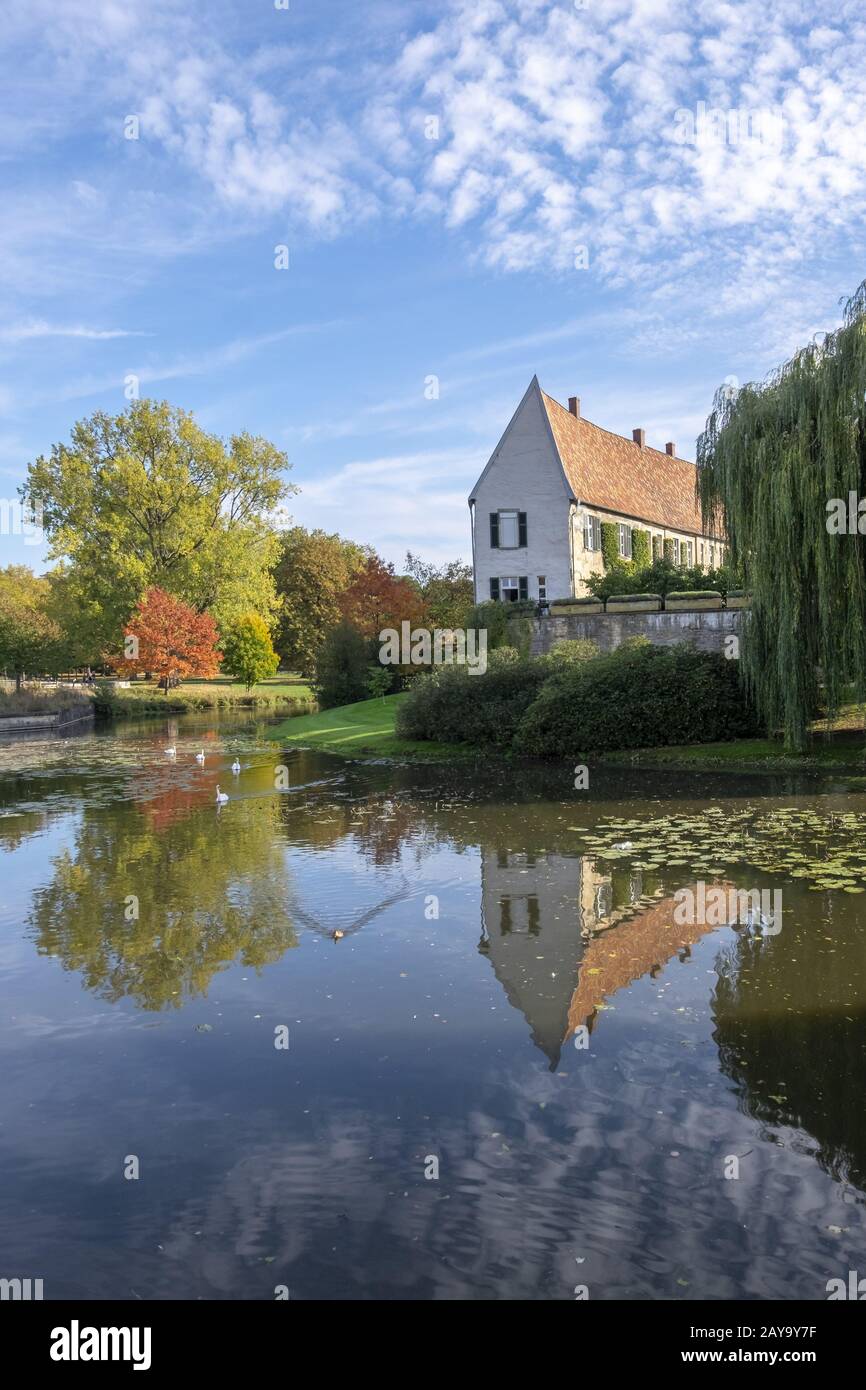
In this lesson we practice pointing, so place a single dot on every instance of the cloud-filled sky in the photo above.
(635, 199)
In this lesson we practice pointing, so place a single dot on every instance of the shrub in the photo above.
(639, 696)
(568, 653)
(342, 667)
(452, 706)
(636, 597)
(659, 578)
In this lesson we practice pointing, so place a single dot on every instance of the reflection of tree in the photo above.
(209, 891)
(789, 1016)
(15, 829)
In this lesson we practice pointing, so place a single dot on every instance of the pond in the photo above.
(371, 1031)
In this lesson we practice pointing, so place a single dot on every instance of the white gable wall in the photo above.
(525, 475)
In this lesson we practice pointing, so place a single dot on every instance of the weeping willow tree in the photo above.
(772, 459)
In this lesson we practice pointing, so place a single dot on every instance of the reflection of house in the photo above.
(547, 930)
(537, 913)
(612, 961)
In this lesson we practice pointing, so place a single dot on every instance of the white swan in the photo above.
(221, 797)
(199, 757)
(170, 752)
(236, 767)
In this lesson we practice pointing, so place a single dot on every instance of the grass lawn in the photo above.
(364, 728)
(143, 697)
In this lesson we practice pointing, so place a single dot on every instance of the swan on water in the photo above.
(236, 767)
(199, 757)
(170, 752)
(221, 797)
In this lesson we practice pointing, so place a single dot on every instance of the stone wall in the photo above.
(706, 630)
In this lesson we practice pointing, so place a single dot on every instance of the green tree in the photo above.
(777, 463)
(312, 571)
(447, 590)
(342, 668)
(148, 499)
(30, 640)
(248, 654)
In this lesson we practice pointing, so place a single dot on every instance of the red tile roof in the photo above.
(607, 471)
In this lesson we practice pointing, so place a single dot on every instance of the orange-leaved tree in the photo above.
(378, 598)
(168, 638)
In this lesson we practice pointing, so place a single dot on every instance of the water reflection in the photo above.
(149, 904)
(444, 1032)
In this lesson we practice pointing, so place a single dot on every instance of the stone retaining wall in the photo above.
(704, 629)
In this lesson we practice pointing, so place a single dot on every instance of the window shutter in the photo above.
(494, 530)
(521, 528)
(523, 587)
(494, 588)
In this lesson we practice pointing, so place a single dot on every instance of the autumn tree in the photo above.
(147, 499)
(378, 598)
(312, 571)
(170, 639)
(30, 640)
(248, 654)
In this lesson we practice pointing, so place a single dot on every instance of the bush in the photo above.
(660, 578)
(636, 597)
(452, 706)
(639, 696)
(342, 667)
(568, 653)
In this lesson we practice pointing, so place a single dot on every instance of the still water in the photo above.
(510, 1002)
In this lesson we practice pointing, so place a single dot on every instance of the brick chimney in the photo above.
(671, 450)
(639, 437)
(574, 405)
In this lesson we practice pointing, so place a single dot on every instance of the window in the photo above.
(509, 588)
(507, 530)
(624, 541)
(701, 552)
(542, 587)
(591, 533)
(712, 557)
(691, 553)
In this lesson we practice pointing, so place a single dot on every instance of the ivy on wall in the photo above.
(671, 551)
(610, 544)
(641, 548)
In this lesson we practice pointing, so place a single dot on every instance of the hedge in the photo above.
(639, 696)
(693, 593)
(452, 706)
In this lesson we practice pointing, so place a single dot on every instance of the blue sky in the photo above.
(562, 220)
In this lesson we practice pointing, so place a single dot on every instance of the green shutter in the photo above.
(523, 587)
(494, 589)
(494, 531)
(521, 528)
